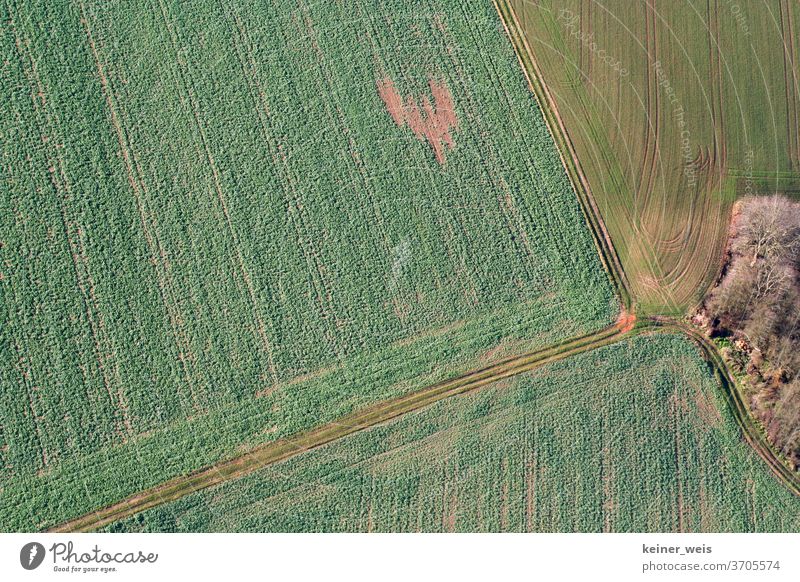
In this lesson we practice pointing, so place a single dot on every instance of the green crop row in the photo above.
(214, 234)
(635, 436)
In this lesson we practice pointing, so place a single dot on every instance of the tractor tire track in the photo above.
(48, 124)
(139, 189)
(283, 449)
(790, 82)
(566, 152)
(239, 264)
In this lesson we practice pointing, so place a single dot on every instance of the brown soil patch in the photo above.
(428, 121)
(626, 321)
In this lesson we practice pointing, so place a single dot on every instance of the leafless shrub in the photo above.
(784, 426)
(758, 303)
(768, 228)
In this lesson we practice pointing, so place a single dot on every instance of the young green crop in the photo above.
(214, 233)
(671, 121)
(635, 436)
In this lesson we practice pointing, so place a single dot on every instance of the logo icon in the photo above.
(31, 555)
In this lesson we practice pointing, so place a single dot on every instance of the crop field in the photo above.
(224, 225)
(674, 109)
(630, 437)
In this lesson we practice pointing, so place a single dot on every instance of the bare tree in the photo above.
(773, 275)
(769, 227)
(786, 420)
(758, 302)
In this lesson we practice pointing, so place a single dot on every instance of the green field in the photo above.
(214, 234)
(630, 437)
(674, 109)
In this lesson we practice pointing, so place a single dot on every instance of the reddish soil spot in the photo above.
(428, 121)
(626, 321)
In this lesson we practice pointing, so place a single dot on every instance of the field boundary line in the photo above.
(751, 432)
(283, 449)
(566, 151)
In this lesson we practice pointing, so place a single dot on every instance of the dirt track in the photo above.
(754, 435)
(626, 327)
(284, 448)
